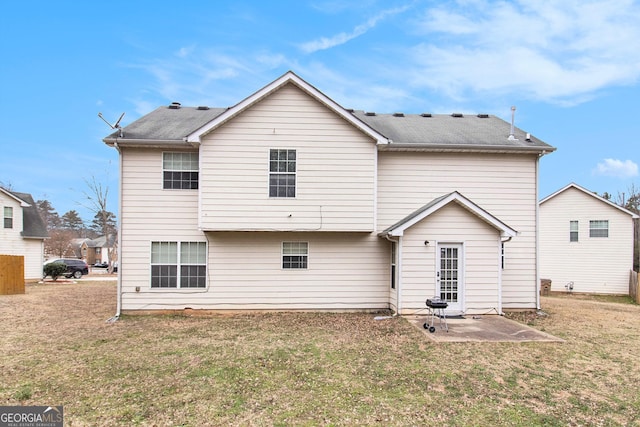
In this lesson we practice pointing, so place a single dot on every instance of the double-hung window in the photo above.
(8, 217)
(573, 231)
(599, 228)
(282, 173)
(178, 264)
(180, 171)
(295, 254)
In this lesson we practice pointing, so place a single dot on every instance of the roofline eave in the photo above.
(150, 143)
(450, 148)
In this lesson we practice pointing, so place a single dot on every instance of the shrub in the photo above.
(54, 269)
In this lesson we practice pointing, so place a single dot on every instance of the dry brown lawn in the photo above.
(56, 348)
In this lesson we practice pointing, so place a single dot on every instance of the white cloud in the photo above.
(561, 52)
(616, 168)
(341, 38)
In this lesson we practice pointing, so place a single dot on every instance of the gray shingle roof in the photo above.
(447, 130)
(33, 225)
(165, 124)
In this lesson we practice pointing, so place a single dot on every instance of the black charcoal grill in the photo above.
(436, 307)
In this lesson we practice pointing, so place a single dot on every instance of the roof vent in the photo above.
(426, 114)
(174, 105)
(483, 116)
(398, 114)
(369, 113)
(528, 137)
(203, 107)
(457, 115)
(349, 110)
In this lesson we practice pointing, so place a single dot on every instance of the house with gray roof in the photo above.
(23, 231)
(289, 201)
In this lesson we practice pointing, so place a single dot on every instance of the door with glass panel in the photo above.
(449, 275)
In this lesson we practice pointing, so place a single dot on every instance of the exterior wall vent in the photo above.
(426, 114)
(174, 105)
(203, 107)
(398, 114)
(457, 115)
(483, 116)
(369, 113)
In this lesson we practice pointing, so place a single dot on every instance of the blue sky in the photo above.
(571, 68)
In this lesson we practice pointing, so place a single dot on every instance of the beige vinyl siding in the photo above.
(12, 242)
(502, 184)
(479, 260)
(345, 271)
(593, 264)
(335, 169)
(150, 213)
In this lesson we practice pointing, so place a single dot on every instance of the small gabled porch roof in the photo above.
(438, 203)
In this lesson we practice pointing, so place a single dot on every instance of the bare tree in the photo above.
(96, 201)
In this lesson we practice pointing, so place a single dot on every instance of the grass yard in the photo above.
(311, 369)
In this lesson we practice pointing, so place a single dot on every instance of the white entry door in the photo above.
(449, 275)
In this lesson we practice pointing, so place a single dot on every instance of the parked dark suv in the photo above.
(75, 267)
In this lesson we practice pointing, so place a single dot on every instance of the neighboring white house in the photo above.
(23, 231)
(288, 201)
(586, 242)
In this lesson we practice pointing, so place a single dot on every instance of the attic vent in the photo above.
(203, 107)
(398, 114)
(483, 116)
(457, 115)
(426, 114)
(174, 105)
(369, 113)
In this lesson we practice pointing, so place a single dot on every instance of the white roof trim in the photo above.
(288, 77)
(399, 228)
(589, 193)
(23, 204)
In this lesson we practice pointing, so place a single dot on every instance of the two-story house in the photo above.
(289, 201)
(586, 242)
(22, 231)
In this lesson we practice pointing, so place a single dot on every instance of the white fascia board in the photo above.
(589, 193)
(288, 77)
(505, 230)
(23, 204)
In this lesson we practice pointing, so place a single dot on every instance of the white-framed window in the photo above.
(599, 228)
(295, 255)
(573, 231)
(282, 173)
(393, 265)
(8, 217)
(178, 264)
(180, 171)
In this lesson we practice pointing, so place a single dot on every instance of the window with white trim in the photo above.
(599, 228)
(282, 173)
(295, 255)
(8, 217)
(180, 171)
(573, 231)
(178, 264)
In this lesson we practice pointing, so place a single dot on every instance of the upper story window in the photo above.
(599, 228)
(180, 171)
(282, 173)
(8, 217)
(295, 254)
(573, 231)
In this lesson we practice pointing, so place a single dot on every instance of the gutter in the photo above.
(466, 148)
(149, 143)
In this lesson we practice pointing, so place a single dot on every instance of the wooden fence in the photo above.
(11, 274)
(633, 286)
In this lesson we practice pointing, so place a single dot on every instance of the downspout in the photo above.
(398, 271)
(119, 283)
(538, 307)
